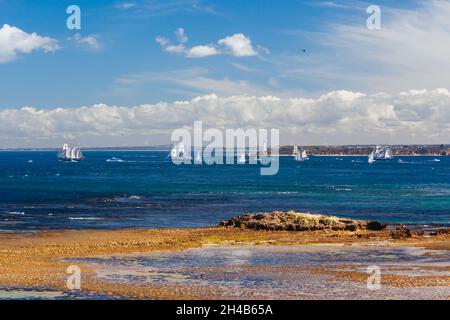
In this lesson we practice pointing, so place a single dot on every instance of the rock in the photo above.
(401, 233)
(375, 226)
(295, 221)
(443, 231)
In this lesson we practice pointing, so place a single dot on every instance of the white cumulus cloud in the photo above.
(202, 51)
(337, 117)
(14, 41)
(237, 45)
(90, 41)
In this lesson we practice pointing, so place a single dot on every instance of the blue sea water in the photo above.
(147, 190)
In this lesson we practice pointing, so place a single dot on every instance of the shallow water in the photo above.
(147, 190)
(280, 272)
(45, 294)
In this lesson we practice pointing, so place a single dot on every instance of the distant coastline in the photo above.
(316, 150)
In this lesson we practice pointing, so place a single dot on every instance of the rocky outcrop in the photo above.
(401, 233)
(440, 232)
(295, 221)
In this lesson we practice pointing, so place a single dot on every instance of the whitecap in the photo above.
(17, 213)
(114, 159)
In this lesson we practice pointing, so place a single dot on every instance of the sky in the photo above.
(136, 70)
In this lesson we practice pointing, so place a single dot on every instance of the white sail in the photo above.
(67, 152)
(70, 154)
(388, 153)
(295, 151)
(264, 149)
(372, 157)
(173, 152)
(304, 154)
(180, 151)
(198, 158)
(242, 158)
(298, 157)
(380, 153)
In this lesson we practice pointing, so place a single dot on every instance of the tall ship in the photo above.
(70, 154)
(380, 153)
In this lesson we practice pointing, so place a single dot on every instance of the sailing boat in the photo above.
(371, 157)
(198, 158)
(305, 155)
(242, 159)
(380, 153)
(70, 154)
(263, 151)
(178, 153)
(299, 155)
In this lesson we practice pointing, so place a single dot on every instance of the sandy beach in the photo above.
(39, 261)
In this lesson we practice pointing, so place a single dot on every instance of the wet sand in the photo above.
(39, 261)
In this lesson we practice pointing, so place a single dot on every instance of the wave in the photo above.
(408, 162)
(131, 198)
(114, 159)
(84, 218)
(17, 213)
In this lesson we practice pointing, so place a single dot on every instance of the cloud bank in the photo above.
(14, 41)
(338, 117)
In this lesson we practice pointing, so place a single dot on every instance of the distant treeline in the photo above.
(359, 150)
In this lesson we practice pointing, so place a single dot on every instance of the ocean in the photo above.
(146, 190)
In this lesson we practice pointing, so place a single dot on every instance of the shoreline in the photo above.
(47, 255)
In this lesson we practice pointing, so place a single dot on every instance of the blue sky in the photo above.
(77, 75)
(148, 55)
